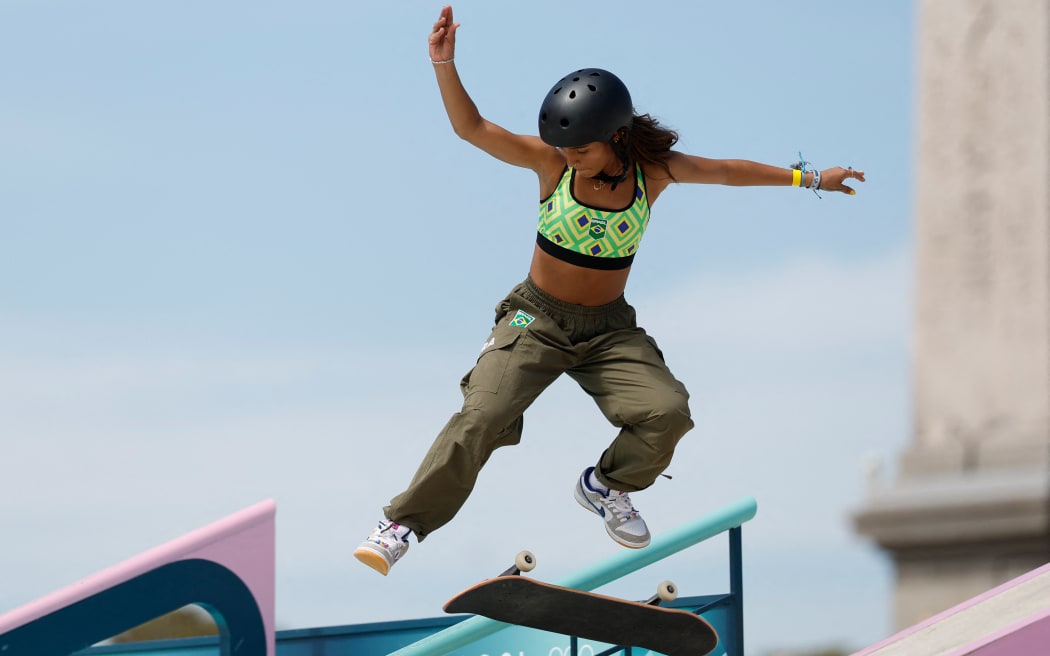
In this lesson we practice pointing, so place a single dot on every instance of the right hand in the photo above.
(442, 39)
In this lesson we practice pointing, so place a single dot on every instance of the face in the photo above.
(591, 159)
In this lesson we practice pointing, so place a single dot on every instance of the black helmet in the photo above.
(589, 105)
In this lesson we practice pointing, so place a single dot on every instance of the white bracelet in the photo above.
(443, 61)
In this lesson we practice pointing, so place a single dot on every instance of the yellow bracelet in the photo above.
(796, 178)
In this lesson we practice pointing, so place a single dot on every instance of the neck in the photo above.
(604, 178)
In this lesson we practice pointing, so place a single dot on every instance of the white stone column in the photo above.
(971, 504)
(982, 330)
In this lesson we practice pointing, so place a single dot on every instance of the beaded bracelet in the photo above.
(443, 61)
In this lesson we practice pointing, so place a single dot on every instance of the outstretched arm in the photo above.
(744, 173)
(520, 150)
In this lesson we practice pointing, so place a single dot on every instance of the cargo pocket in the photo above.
(493, 361)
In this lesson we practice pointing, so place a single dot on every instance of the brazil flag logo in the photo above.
(597, 230)
(521, 319)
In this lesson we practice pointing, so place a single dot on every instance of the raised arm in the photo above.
(520, 150)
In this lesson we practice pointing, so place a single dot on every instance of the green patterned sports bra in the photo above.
(590, 237)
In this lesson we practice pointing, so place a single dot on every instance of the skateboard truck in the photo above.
(523, 562)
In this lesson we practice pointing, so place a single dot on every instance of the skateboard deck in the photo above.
(527, 602)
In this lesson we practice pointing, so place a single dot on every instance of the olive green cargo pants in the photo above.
(536, 339)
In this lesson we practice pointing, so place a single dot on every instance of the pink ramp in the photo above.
(1010, 620)
(226, 567)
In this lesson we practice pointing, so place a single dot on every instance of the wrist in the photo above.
(804, 176)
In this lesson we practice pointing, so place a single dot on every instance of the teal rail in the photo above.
(599, 574)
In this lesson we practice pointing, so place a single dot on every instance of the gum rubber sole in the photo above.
(373, 560)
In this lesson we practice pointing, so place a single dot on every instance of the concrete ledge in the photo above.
(968, 507)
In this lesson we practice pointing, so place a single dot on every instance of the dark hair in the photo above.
(651, 143)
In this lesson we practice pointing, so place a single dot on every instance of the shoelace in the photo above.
(389, 533)
(620, 504)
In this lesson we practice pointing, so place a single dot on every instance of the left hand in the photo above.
(833, 179)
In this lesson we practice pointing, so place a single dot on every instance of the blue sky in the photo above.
(243, 255)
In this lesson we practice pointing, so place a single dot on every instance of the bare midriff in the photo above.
(577, 285)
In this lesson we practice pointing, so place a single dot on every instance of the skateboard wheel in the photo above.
(525, 561)
(667, 591)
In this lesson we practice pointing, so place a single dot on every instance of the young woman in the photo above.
(600, 168)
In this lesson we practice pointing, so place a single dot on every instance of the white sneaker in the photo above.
(622, 521)
(384, 547)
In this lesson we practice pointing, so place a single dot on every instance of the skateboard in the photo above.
(524, 601)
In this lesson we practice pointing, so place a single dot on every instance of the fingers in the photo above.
(437, 32)
(444, 20)
(439, 25)
(856, 175)
(443, 28)
(848, 173)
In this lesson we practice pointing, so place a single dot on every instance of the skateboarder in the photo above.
(600, 167)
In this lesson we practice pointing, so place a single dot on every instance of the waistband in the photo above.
(551, 305)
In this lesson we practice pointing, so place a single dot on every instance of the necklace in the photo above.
(598, 184)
